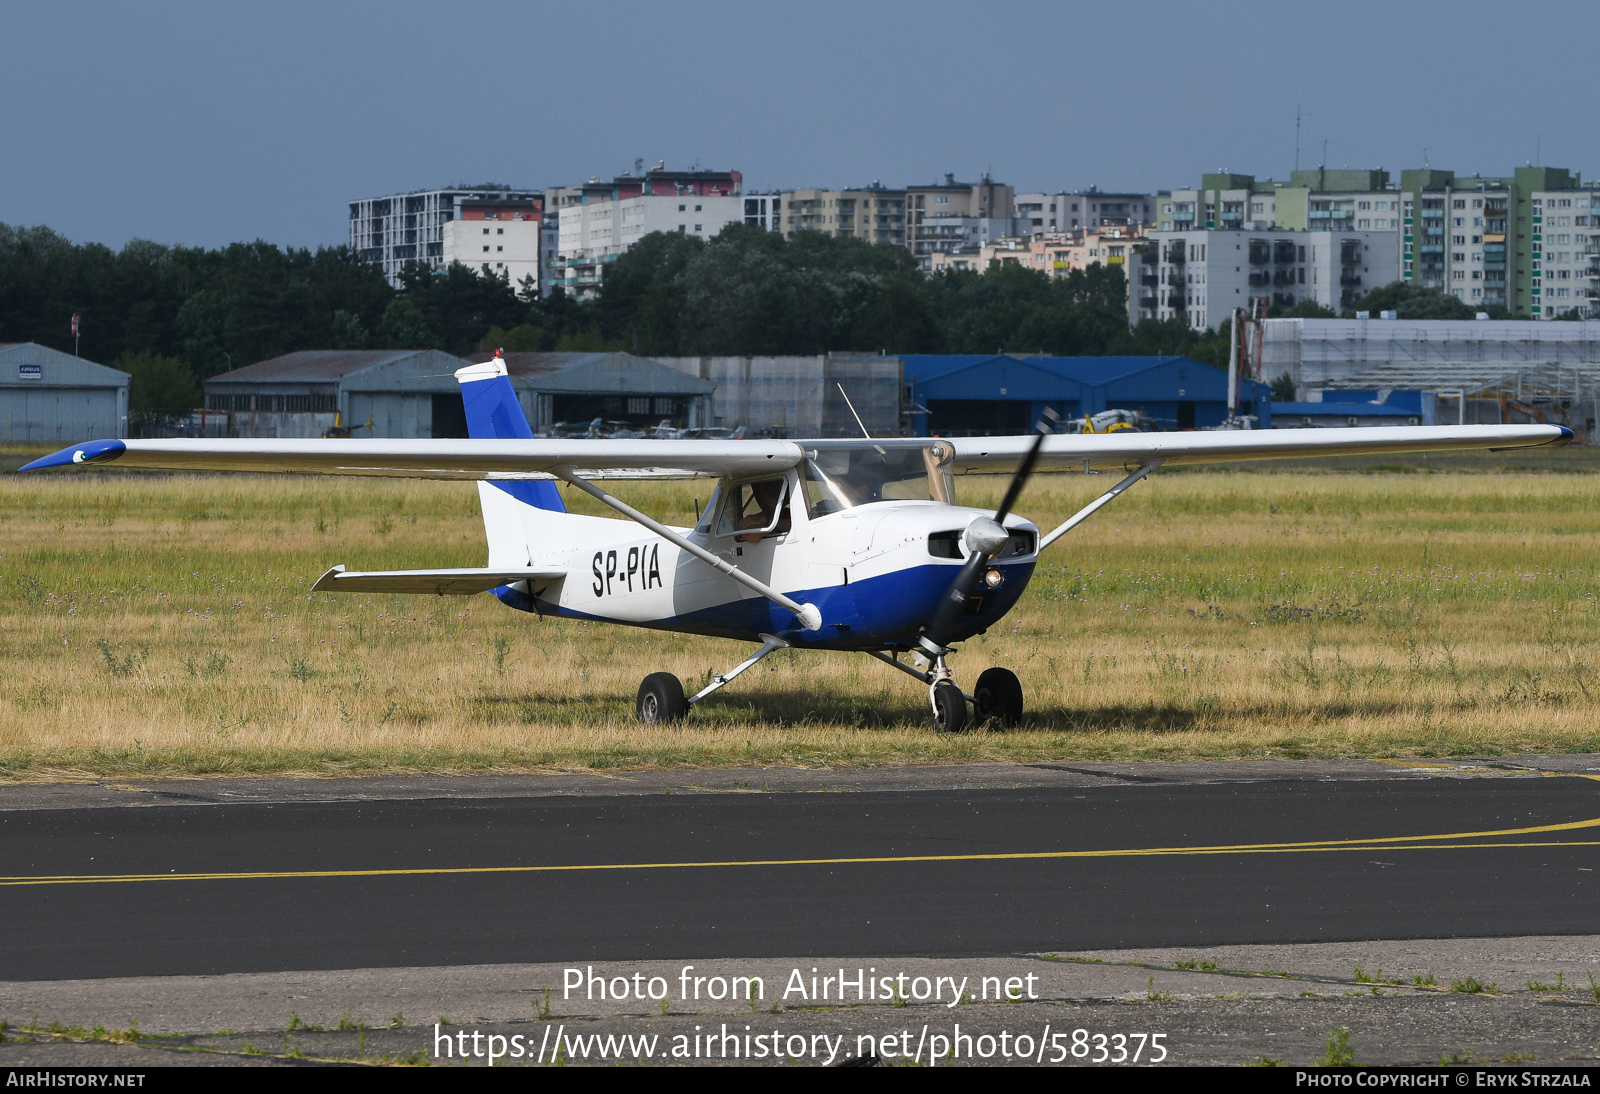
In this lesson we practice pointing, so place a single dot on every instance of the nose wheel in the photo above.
(997, 696)
(949, 708)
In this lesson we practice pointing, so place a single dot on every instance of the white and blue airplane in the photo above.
(825, 544)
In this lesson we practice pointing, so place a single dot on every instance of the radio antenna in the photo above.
(852, 407)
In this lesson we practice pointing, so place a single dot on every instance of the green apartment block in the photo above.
(1506, 241)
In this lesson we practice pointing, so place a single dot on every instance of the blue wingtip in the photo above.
(88, 452)
(1566, 434)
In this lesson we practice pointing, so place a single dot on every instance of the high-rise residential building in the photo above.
(873, 213)
(391, 231)
(1524, 242)
(601, 219)
(1044, 214)
(1569, 260)
(498, 240)
(1201, 276)
(953, 216)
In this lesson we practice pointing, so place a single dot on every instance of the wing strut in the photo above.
(810, 615)
(1095, 506)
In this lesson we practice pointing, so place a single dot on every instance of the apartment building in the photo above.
(391, 231)
(600, 220)
(1045, 214)
(1568, 261)
(503, 241)
(1223, 201)
(1522, 242)
(873, 213)
(1201, 276)
(954, 216)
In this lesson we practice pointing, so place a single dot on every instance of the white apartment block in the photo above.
(1201, 276)
(1565, 255)
(391, 231)
(505, 248)
(595, 233)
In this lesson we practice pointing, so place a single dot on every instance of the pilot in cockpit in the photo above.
(766, 497)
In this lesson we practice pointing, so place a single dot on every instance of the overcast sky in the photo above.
(206, 123)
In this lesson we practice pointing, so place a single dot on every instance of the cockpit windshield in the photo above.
(845, 477)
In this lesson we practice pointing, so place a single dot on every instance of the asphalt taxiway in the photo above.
(213, 877)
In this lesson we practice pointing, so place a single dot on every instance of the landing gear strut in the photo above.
(661, 695)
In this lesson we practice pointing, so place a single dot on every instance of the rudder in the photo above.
(494, 413)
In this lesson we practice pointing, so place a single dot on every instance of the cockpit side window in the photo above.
(755, 510)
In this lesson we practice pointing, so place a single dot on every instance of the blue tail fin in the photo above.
(493, 412)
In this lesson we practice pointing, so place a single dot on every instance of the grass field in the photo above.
(161, 626)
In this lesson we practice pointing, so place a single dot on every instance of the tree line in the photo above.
(174, 315)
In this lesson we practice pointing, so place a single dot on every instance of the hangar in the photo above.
(413, 393)
(802, 396)
(298, 394)
(979, 394)
(47, 395)
(616, 387)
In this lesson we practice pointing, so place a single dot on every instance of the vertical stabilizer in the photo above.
(493, 412)
(520, 518)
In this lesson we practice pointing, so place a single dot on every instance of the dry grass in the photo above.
(160, 626)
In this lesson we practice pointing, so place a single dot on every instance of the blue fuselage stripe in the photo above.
(869, 613)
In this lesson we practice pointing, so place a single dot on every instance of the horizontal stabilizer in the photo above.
(436, 582)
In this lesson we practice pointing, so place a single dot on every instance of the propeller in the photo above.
(984, 538)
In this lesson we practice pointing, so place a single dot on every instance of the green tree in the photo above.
(161, 390)
(405, 327)
(1410, 302)
(348, 332)
(1306, 309)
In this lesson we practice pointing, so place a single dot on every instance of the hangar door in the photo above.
(58, 414)
(987, 417)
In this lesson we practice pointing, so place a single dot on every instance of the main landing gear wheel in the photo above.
(661, 699)
(949, 708)
(998, 695)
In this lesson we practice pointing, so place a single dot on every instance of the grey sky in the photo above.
(208, 123)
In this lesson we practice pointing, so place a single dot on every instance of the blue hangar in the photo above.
(954, 395)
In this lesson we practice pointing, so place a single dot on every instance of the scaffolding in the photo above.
(1493, 392)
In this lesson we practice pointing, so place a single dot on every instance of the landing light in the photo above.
(993, 579)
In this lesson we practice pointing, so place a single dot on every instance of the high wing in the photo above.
(462, 582)
(642, 459)
(1109, 451)
(441, 459)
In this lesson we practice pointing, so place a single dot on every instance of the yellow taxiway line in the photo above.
(1378, 843)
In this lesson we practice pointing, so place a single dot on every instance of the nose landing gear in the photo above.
(997, 696)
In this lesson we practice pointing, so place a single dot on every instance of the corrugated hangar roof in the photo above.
(612, 371)
(50, 368)
(326, 366)
(532, 364)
